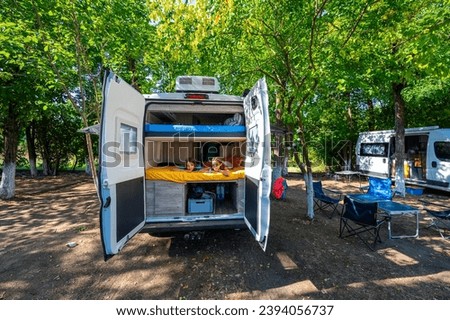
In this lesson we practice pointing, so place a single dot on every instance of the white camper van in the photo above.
(146, 140)
(427, 156)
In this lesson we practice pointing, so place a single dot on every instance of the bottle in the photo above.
(220, 191)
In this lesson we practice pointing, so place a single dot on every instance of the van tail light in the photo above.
(196, 96)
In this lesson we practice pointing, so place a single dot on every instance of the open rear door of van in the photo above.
(258, 173)
(121, 176)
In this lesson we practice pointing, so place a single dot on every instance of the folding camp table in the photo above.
(393, 209)
(348, 174)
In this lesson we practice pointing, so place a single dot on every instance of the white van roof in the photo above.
(407, 130)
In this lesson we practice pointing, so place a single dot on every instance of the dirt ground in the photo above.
(304, 260)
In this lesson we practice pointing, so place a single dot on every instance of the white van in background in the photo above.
(145, 141)
(427, 156)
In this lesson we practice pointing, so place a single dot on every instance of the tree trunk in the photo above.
(11, 142)
(371, 114)
(309, 194)
(349, 111)
(31, 146)
(75, 164)
(56, 165)
(8, 183)
(46, 162)
(88, 166)
(305, 167)
(307, 176)
(133, 68)
(47, 166)
(399, 105)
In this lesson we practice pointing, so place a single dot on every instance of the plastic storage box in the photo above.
(202, 205)
(414, 191)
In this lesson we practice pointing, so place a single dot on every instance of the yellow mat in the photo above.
(176, 174)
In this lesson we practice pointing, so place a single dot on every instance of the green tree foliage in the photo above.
(195, 38)
(19, 59)
(404, 44)
(125, 40)
(398, 42)
(331, 65)
(56, 140)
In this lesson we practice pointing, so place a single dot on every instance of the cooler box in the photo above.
(202, 205)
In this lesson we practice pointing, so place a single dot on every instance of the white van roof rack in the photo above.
(197, 84)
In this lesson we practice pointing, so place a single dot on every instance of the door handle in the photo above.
(434, 164)
(107, 203)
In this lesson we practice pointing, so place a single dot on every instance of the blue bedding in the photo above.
(197, 130)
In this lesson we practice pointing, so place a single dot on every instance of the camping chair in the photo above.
(359, 218)
(440, 219)
(379, 189)
(322, 201)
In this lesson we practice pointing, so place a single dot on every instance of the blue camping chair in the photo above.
(380, 189)
(323, 201)
(360, 219)
(440, 218)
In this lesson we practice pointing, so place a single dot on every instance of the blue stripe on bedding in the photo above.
(214, 129)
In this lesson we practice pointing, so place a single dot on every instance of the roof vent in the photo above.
(197, 84)
(185, 80)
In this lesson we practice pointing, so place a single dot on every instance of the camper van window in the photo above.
(128, 138)
(374, 149)
(442, 150)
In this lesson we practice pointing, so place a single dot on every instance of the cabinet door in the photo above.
(169, 198)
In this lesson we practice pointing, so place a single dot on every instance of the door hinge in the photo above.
(105, 184)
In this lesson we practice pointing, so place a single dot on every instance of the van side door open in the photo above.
(258, 173)
(121, 176)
